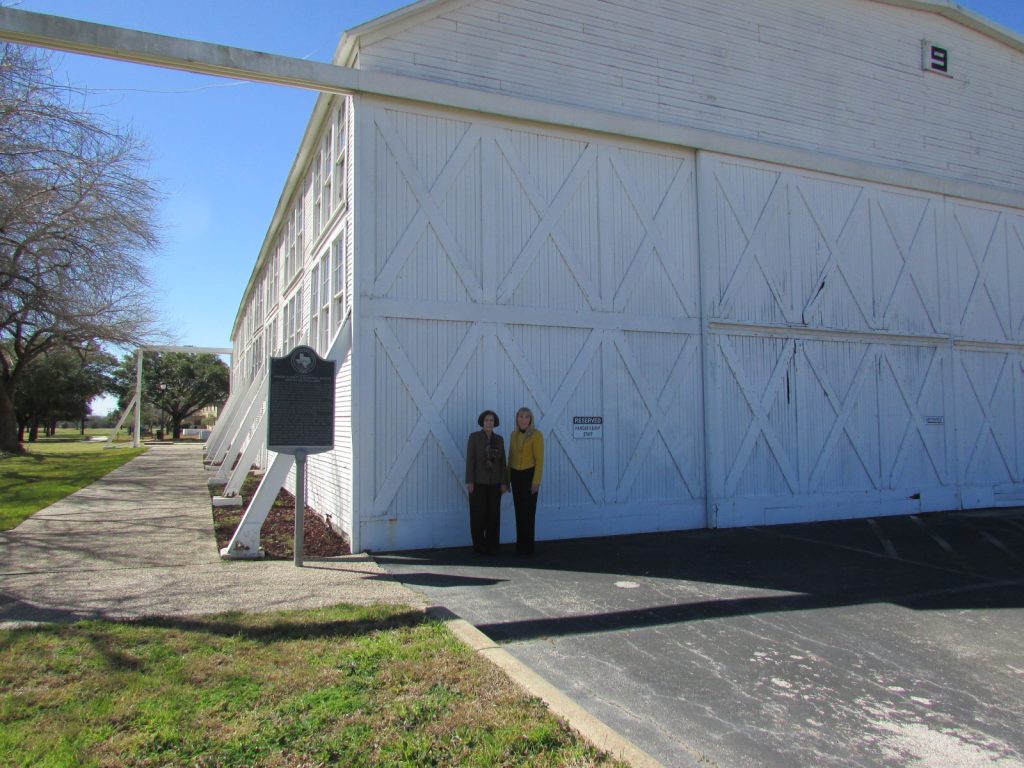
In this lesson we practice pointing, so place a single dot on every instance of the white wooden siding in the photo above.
(796, 72)
(863, 344)
(517, 267)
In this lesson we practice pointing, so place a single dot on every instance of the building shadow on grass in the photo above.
(16, 615)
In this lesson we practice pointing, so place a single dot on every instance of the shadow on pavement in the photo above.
(957, 560)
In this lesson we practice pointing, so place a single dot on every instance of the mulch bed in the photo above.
(277, 537)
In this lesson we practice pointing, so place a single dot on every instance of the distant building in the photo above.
(206, 415)
(772, 252)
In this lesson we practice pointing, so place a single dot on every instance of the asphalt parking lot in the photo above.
(880, 642)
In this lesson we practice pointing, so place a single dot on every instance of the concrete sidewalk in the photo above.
(139, 543)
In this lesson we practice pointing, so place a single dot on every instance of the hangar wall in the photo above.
(832, 348)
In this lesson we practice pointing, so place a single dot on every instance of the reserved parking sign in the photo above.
(587, 427)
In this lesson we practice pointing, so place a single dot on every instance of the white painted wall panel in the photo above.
(990, 416)
(795, 72)
(800, 249)
(862, 356)
(988, 250)
(519, 267)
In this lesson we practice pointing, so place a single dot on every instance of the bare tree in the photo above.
(76, 227)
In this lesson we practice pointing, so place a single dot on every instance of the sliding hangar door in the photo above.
(521, 266)
(864, 349)
(759, 344)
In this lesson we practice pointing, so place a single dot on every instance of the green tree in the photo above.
(59, 385)
(178, 384)
(76, 228)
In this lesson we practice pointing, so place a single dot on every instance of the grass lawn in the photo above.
(345, 686)
(53, 468)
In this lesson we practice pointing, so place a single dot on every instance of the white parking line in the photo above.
(890, 548)
(935, 537)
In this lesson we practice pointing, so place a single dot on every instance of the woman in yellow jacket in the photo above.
(525, 466)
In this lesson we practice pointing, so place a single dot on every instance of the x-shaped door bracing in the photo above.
(917, 422)
(655, 240)
(429, 213)
(549, 226)
(988, 419)
(843, 409)
(658, 404)
(552, 406)
(431, 420)
(759, 404)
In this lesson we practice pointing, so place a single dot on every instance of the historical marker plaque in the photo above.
(300, 405)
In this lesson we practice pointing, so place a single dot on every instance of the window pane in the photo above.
(325, 281)
(339, 263)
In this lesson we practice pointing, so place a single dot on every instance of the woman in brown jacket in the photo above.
(485, 482)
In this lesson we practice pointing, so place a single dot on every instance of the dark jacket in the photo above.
(485, 464)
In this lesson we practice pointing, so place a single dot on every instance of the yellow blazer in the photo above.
(525, 452)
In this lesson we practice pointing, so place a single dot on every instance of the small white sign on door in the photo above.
(587, 427)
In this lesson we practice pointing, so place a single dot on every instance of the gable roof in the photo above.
(426, 10)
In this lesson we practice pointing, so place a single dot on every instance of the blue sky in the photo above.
(221, 149)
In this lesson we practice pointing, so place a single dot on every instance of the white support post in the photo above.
(222, 430)
(214, 440)
(238, 429)
(257, 442)
(120, 423)
(245, 544)
(341, 343)
(240, 439)
(137, 433)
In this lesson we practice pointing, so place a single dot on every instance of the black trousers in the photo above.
(485, 517)
(526, 509)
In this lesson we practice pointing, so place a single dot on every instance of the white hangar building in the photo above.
(777, 247)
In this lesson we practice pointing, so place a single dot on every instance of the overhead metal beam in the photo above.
(121, 44)
(110, 42)
(189, 350)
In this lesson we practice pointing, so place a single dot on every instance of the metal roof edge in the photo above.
(964, 16)
(424, 10)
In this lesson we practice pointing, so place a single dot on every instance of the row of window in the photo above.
(327, 309)
(327, 295)
(264, 331)
(325, 189)
(327, 175)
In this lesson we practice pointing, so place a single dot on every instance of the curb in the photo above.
(593, 730)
